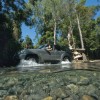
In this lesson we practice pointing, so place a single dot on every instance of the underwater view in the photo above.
(64, 81)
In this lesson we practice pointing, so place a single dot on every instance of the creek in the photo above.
(63, 81)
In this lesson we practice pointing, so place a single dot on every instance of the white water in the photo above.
(26, 63)
(30, 65)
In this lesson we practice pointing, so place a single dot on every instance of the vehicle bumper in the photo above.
(18, 57)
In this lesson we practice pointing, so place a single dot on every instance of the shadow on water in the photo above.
(29, 66)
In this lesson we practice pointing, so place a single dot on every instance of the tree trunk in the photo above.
(80, 32)
(81, 38)
(72, 35)
(55, 32)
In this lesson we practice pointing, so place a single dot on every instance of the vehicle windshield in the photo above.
(42, 46)
(57, 47)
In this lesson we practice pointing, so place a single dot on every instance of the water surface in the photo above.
(29, 66)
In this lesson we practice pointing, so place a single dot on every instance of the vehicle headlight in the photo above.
(21, 52)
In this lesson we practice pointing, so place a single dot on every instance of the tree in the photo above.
(28, 42)
(53, 19)
(47, 16)
(12, 14)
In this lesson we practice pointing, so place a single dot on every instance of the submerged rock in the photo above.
(66, 85)
(87, 97)
(48, 98)
(13, 97)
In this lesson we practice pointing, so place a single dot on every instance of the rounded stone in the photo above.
(13, 97)
(87, 97)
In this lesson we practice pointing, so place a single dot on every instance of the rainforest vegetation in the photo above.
(52, 20)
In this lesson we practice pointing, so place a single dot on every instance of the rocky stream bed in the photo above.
(63, 85)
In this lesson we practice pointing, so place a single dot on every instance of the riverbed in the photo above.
(71, 81)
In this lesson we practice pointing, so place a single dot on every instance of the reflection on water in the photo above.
(87, 66)
(27, 66)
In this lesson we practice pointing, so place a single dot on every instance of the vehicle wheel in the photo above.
(65, 59)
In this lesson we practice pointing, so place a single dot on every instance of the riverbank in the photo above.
(67, 85)
(87, 61)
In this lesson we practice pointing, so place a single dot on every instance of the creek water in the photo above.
(30, 66)
(63, 81)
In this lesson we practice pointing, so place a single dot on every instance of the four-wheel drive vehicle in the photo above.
(42, 55)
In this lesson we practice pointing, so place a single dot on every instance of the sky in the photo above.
(31, 31)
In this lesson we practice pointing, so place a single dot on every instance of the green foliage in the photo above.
(12, 14)
(47, 12)
(27, 43)
(43, 15)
